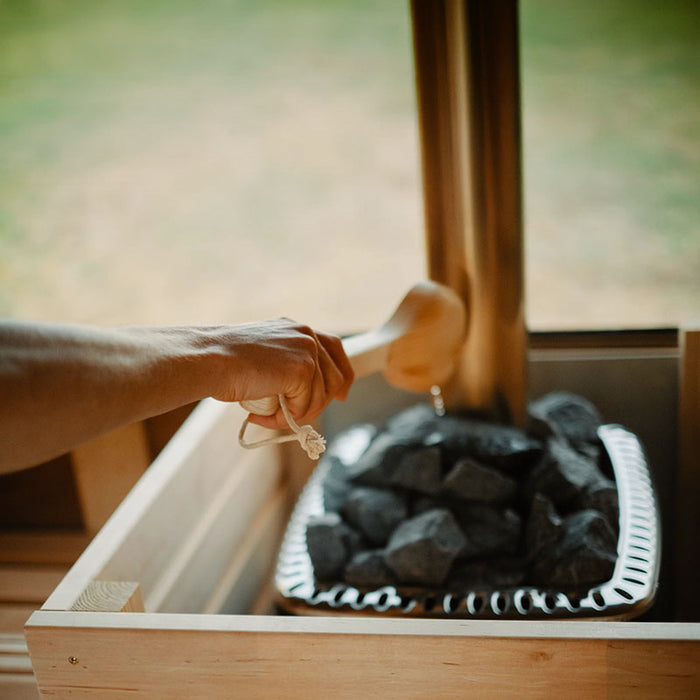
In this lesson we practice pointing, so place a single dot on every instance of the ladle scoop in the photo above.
(415, 349)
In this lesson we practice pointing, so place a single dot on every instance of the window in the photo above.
(611, 142)
(177, 162)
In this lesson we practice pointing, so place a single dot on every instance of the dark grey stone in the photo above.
(368, 570)
(422, 503)
(375, 512)
(488, 530)
(335, 486)
(492, 444)
(420, 470)
(602, 496)
(345, 449)
(468, 480)
(585, 556)
(562, 474)
(413, 424)
(566, 415)
(422, 549)
(378, 464)
(544, 527)
(330, 543)
(486, 573)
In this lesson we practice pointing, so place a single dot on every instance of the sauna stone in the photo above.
(488, 530)
(585, 555)
(564, 473)
(330, 543)
(563, 414)
(419, 470)
(447, 500)
(422, 549)
(368, 569)
(468, 480)
(374, 512)
(544, 527)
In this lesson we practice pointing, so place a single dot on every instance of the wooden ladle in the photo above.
(416, 348)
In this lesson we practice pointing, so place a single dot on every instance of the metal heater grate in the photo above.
(628, 593)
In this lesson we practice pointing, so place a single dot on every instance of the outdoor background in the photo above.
(165, 161)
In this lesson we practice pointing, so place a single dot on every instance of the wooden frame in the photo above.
(199, 534)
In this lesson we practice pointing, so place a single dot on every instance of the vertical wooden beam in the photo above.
(105, 470)
(687, 554)
(467, 76)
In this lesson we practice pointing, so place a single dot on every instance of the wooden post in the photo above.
(105, 470)
(110, 596)
(687, 514)
(467, 75)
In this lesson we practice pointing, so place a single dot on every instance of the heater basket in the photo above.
(628, 593)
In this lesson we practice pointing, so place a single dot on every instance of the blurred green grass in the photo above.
(171, 153)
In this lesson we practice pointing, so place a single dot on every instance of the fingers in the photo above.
(317, 372)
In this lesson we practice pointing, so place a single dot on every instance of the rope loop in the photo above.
(312, 442)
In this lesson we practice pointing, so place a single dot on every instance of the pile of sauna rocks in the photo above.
(453, 503)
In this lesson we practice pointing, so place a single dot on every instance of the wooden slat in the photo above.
(12, 643)
(18, 686)
(14, 615)
(106, 469)
(687, 553)
(251, 567)
(196, 569)
(44, 547)
(15, 663)
(218, 656)
(16, 674)
(29, 583)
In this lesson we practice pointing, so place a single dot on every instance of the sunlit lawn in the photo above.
(174, 162)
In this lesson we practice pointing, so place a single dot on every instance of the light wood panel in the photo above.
(178, 656)
(44, 547)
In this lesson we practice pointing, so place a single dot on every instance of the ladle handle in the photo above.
(367, 353)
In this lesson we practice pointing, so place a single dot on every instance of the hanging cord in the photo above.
(312, 442)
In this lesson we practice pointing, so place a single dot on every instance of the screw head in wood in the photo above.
(73, 660)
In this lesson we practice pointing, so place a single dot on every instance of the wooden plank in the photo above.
(43, 547)
(196, 569)
(467, 75)
(29, 583)
(146, 531)
(687, 554)
(12, 643)
(215, 656)
(14, 615)
(110, 596)
(251, 567)
(106, 469)
(15, 663)
(18, 686)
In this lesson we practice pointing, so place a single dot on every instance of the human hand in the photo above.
(309, 368)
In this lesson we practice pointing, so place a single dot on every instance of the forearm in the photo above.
(62, 384)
